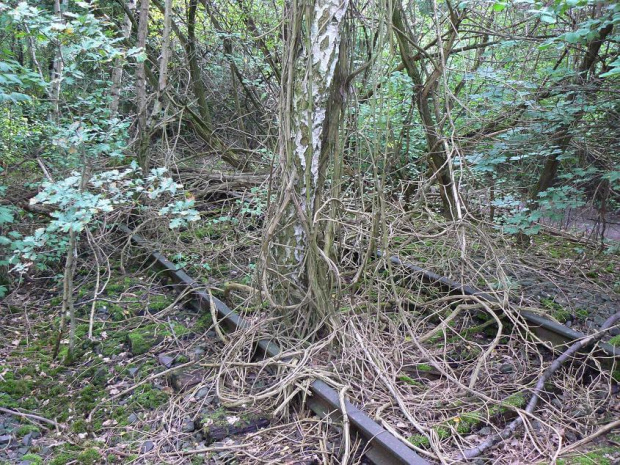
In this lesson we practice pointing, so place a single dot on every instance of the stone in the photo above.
(133, 370)
(165, 360)
(132, 418)
(188, 426)
(5, 439)
(202, 393)
(182, 380)
(485, 431)
(147, 447)
(506, 368)
(27, 440)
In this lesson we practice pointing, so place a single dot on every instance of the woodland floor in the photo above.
(122, 401)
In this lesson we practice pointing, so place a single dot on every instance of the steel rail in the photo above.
(381, 448)
(544, 328)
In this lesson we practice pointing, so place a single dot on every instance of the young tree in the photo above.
(294, 250)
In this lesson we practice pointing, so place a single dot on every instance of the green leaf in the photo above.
(499, 6)
(6, 215)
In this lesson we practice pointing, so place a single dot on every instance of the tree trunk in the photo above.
(564, 135)
(58, 67)
(194, 70)
(439, 158)
(143, 133)
(163, 61)
(117, 72)
(311, 108)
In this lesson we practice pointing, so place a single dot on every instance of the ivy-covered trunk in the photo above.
(296, 254)
(439, 155)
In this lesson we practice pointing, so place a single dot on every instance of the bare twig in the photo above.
(31, 416)
(566, 355)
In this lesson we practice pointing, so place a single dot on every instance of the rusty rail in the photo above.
(544, 328)
(381, 447)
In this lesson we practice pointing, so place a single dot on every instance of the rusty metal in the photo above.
(546, 329)
(381, 447)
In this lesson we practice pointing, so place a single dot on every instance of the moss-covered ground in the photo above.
(127, 338)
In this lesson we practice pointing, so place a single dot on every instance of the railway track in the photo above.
(544, 328)
(381, 447)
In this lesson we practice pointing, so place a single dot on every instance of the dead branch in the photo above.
(555, 366)
(31, 416)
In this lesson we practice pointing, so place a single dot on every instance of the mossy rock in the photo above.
(158, 303)
(23, 430)
(143, 339)
(148, 397)
(119, 286)
(90, 456)
(222, 423)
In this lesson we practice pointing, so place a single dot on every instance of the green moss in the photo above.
(424, 367)
(88, 398)
(204, 322)
(89, 457)
(79, 426)
(25, 429)
(595, 457)
(615, 341)
(557, 311)
(159, 302)
(15, 388)
(63, 458)
(515, 400)
(468, 421)
(7, 401)
(408, 380)
(142, 340)
(582, 313)
(419, 440)
(149, 398)
(562, 315)
(34, 459)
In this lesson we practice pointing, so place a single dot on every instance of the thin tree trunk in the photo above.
(439, 158)
(312, 99)
(194, 70)
(163, 61)
(564, 135)
(143, 133)
(57, 68)
(117, 72)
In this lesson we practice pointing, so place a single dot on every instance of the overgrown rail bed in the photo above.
(407, 352)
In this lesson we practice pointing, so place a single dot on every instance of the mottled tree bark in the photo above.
(296, 259)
